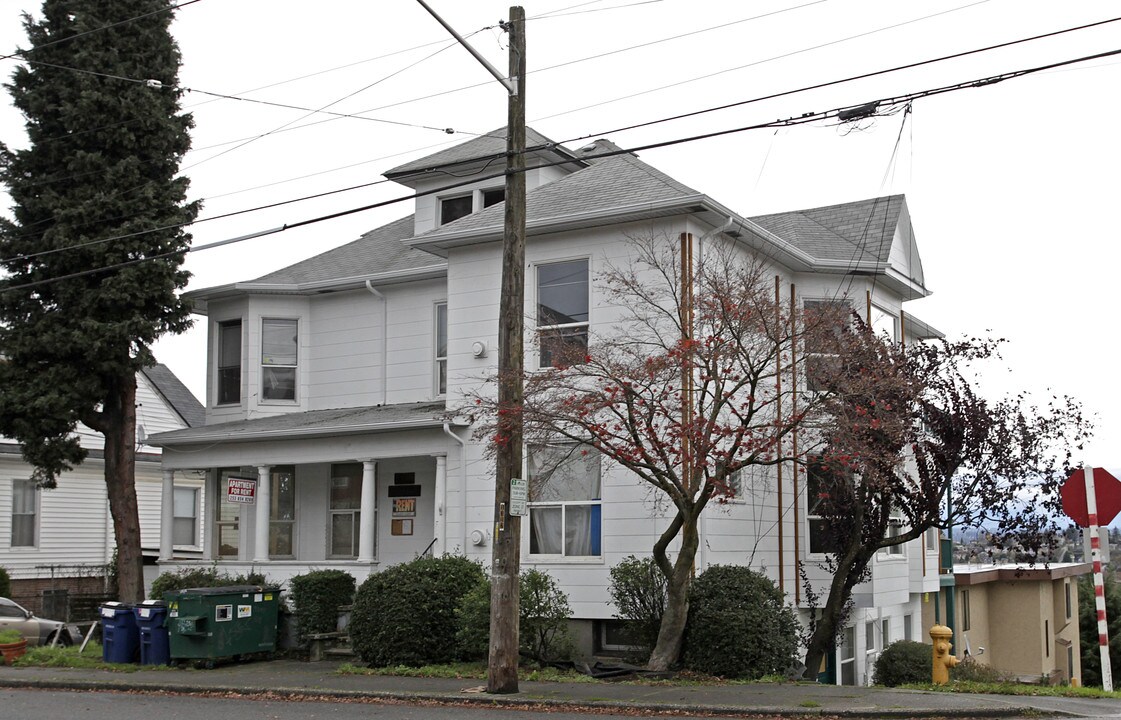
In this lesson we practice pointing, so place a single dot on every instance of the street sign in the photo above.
(1108, 496)
(519, 494)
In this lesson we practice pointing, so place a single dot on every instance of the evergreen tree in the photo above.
(1089, 642)
(91, 251)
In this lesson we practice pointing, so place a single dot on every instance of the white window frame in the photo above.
(894, 529)
(28, 486)
(571, 329)
(440, 360)
(219, 367)
(267, 366)
(877, 321)
(564, 506)
(355, 514)
(177, 517)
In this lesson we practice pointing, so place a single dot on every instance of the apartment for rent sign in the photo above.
(241, 490)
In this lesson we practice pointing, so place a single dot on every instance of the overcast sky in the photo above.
(1012, 187)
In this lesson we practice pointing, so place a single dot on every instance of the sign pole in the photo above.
(1099, 584)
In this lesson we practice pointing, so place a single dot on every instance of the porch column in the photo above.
(368, 512)
(167, 515)
(261, 526)
(439, 522)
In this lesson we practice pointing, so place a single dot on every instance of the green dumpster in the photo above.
(208, 624)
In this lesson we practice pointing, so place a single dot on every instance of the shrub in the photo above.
(543, 614)
(5, 583)
(406, 615)
(969, 670)
(200, 577)
(739, 625)
(317, 596)
(638, 589)
(9, 636)
(902, 662)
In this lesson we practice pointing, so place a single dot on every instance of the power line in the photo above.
(851, 78)
(803, 119)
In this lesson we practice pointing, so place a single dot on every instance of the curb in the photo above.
(518, 700)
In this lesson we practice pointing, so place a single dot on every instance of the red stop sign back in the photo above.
(1107, 489)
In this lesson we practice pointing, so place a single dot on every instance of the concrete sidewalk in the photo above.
(292, 677)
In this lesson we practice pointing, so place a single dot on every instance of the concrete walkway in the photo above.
(292, 677)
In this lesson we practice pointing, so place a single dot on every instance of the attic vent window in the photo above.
(493, 197)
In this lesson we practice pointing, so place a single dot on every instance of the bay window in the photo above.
(564, 501)
(229, 362)
(441, 347)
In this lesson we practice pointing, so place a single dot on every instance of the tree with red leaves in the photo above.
(908, 428)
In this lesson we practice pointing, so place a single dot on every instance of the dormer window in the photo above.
(493, 196)
(453, 208)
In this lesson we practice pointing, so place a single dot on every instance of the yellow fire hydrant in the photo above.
(943, 660)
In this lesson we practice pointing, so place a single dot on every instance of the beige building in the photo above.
(1022, 621)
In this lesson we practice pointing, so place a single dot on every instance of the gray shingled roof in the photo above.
(182, 400)
(850, 232)
(614, 182)
(369, 419)
(493, 144)
(377, 251)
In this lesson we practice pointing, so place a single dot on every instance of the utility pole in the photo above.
(502, 666)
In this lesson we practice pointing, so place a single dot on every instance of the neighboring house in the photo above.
(56, 543)
(326, 443)
(1023, 621)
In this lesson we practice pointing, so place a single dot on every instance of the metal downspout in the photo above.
(462, 483)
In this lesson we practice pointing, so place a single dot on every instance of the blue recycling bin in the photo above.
(120, 638)
(151, 620)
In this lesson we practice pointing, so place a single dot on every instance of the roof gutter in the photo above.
(185, 438)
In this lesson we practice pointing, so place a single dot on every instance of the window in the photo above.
(562, 311)
(848, 656)
(441, 348)
(229, 362)
(564, 501)
(1047, 638)
(25, 511)
(1066, 593)
(453, 208)
(824, 321)
(493, 196)
(884, 323)
(346, 500)
(184, 510)
(870, 637)
(907, 631)
(932, 540)
(885, 633)
(279, 343)
(818, 481)
(282, 511)
(964, 610)
(228, 514)
(895, 529)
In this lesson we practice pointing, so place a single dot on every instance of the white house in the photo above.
(55, 543)
(326, 442)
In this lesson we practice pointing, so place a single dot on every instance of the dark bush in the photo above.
(543, 619)
(200, 577)
(739, 625)
(317, 596)
(5, 583)
(969, 670)
(638, 589)
(406, 615)
(903, 662)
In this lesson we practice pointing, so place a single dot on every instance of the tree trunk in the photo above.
(849, 568)
(671, 633)
(119, 423)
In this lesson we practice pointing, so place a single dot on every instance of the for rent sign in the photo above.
(241, 490)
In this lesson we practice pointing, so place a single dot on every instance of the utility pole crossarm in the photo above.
(511, 84)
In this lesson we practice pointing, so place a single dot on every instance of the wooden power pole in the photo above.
(502, 669)
(502, 666)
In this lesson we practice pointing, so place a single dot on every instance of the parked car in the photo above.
(37, 630)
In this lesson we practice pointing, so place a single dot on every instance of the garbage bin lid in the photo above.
(227, 590)
(154, 603)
